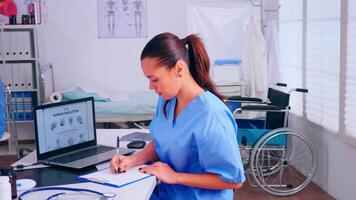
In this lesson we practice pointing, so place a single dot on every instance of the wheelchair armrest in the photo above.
(244, 99)
(269, 108)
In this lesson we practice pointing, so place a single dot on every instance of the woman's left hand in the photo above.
(162, 171)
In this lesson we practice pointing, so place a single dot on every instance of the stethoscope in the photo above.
(103, 196)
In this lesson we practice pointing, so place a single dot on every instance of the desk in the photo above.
(53, 176)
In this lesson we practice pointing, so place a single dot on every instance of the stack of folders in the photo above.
(18, 76)
(17, 45)
(18, 54)
(22, 106)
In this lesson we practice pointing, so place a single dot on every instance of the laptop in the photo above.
(66, 135)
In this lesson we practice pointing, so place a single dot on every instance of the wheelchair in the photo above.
(276, 158)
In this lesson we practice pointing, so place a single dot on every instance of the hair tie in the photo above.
(184, 41)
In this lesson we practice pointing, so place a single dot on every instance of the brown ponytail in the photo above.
(199, 64)
(167, 48)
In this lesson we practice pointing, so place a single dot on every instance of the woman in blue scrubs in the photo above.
(194, 148)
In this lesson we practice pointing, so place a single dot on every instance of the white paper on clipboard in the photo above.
(108, 178)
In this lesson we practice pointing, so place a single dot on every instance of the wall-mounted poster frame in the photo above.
(122, 18)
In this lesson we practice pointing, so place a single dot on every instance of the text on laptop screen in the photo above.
(64, 125)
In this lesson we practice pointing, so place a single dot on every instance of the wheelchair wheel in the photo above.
(272, 157)
(283, 162)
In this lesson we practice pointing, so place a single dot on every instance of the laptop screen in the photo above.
(65, 124)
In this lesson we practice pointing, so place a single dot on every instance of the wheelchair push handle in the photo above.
(281, 84)
(301, 90)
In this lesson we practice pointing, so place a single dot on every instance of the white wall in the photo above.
(69, 40)
(337, 163)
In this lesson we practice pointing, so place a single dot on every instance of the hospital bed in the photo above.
(139, 107)
(132, 108)
(280, 160)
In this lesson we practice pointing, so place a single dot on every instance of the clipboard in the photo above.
(107, 178)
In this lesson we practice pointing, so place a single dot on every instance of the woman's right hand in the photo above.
(121, 163)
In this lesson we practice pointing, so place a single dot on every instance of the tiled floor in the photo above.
(311, 192)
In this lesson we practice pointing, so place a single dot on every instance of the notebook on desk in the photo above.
(66, 135)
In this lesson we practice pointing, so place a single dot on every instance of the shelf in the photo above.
(18, 90)
(23, 121)
(19, 68)
(21, 60)
(18, 26)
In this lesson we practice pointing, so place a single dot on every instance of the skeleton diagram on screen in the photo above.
(122, 18)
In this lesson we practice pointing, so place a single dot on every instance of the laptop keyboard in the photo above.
(81, 154)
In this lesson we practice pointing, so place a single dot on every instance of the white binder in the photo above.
(22, 76)
(17, 44)
(8, 75)
(28, 76)
(16, 76)
(6, 42)
(13, 44)
(26, 47)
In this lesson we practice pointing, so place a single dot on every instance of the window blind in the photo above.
(350, 90)
(291, 41)
(322, 62)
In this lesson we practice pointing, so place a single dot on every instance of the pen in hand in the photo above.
(118, 152)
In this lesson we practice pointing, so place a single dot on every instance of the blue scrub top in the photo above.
(202, 139)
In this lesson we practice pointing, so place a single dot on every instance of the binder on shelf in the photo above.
(22, 105)
(6, 44)
(17, 43)
(15, 76)
(25, 47)
(22, 76)
(13, 45)
(19, 102)
(28, 76)
(28, 106)
(7, 75)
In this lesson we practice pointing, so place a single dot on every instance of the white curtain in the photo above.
(254, 60)
(350, 90)
(220, 25)
(273, 54)
(322, 62)
(291, 40)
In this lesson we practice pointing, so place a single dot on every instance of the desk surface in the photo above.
(54, 176)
